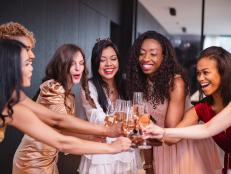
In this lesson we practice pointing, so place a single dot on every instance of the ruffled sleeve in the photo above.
(97, 114)
(52, 96)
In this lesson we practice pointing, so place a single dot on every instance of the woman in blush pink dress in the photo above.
(153, 70)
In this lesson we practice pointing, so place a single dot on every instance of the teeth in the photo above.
(108, 70)
(204, 85)
(147, 66)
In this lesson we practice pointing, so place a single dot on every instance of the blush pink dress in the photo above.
(187, 156)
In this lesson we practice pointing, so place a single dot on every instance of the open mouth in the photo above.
(109, 71)
(147, 67)
(204, 85)
(76, 76)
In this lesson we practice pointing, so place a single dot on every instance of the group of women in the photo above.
(152, 68)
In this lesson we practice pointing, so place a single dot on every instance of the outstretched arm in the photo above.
(190, 118)
(178, 103)
(217, 124)
(69, 123)
(25, 120)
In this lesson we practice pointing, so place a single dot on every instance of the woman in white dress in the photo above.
(105, 87)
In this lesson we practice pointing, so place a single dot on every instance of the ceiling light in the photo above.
(172, 11)
(184, 29)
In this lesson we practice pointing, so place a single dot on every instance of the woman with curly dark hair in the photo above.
(153, 70)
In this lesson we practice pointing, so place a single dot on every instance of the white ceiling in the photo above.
(188, 14)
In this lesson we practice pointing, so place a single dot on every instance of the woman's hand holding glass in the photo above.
(121, 144)
(131, 118)
(116, 114)
(153, 131)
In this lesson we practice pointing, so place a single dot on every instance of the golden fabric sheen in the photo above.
(2, 133)
(32, 156)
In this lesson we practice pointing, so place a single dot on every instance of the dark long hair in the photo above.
(162, 79)
(223, 59)
(10, 75)
(97, 79)
(59, 68)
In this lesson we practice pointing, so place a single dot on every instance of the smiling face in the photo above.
(27, 68)
(109, 64)
(150, 57)
(77, 67)
(208, 76)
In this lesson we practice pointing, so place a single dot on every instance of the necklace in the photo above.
(112, 94)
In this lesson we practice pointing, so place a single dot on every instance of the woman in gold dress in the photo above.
(28, 114)
(29, 109)
(65, 69)
(18, 110)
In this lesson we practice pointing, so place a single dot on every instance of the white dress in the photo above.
(122, 163)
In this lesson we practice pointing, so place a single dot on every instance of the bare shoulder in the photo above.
(178, 82)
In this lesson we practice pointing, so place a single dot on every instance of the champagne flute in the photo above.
(137, 103)
(109, 119)
(129, 122)
(120, 111)
(144, 120)
(138, 98)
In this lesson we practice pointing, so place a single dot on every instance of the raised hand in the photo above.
(121, 144)
(153, 131)
(114, 130)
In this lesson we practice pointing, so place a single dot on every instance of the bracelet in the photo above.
(162, 139)
(147, 166)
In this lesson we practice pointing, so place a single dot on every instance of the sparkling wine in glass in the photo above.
(120, 111)
(137, 102)
(109, 119)
(128, 123)
(144, 120)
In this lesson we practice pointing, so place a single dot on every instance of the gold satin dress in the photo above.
(2, 133)
(2, 130)
(32, 156)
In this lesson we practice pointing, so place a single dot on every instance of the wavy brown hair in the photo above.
(223, 59)
(162, 80)
(59, 69)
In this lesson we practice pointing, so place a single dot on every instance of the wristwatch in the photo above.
(147, 166)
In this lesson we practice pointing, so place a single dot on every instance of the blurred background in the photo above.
(190, 25)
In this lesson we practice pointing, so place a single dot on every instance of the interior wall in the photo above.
(146, 22)
(55, 22)
(187, 47)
